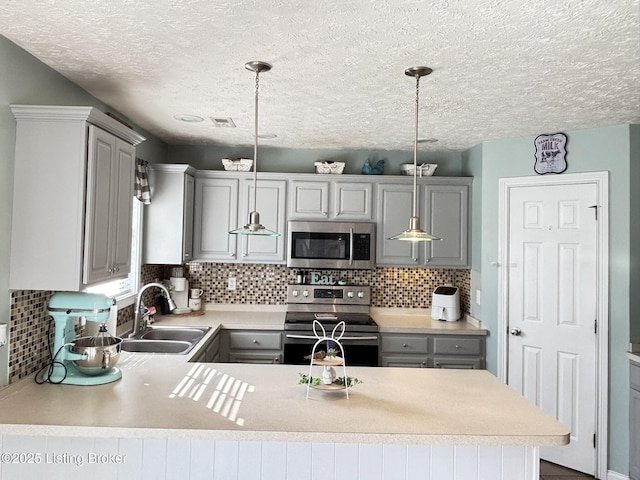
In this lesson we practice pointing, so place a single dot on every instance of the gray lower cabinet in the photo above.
(634, 422)
(432, 351)
(251, 346)
(211, 351)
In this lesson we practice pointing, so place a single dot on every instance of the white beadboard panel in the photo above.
(370, 460)
(225, 464)
(249, 460)
(419, 462)
(394, 462)
(323, 461)
(132, 467)
(15, 444)
(274, 461)
(299, 461)
(106, 470)
(513, 462)
(346, 461)
(202, 455)
(154, 453)
(178, 458)
(466, 462)
(489, 463)
(195, 459)
(442, 462)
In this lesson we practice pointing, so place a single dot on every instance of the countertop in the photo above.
(167, 396)
(271, 317)
(170, 396)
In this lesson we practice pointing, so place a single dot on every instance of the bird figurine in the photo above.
(319, 355)
(378, 169)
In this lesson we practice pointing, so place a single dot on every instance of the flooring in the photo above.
(551, 471)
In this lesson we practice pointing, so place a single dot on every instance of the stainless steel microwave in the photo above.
(331, 245)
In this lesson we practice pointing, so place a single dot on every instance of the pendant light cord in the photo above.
(255, 144)
(415, 153)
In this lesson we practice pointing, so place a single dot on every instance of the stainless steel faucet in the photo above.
(137, 316)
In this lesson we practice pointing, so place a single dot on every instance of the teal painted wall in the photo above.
(26, 80)
(588, 150)
(634, 281)
(472, 167)
(272, 159)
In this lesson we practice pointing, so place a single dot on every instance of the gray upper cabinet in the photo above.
(444, 212)
(330, 200)
(73, 196)
(222, 203)
(168, 220)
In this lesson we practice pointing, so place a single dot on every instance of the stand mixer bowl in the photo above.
(100, 358)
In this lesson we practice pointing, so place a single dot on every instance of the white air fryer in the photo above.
(445, 303)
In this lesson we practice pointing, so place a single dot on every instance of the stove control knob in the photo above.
(350, 294)
(305, 293)
(360, 294)
(294, 293)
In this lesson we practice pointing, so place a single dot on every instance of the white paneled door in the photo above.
(552, 310)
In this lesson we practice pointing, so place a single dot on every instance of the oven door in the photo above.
(358, 352)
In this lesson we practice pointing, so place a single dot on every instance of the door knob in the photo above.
(516, 331)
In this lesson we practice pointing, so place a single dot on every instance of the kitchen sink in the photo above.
(156, 346)
(186, 334)
(165, 339)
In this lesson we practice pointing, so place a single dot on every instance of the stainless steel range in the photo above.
(330, 305)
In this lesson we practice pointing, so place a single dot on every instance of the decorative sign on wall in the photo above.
(551, 152)
(319, 279)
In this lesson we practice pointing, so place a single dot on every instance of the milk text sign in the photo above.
(551, 152)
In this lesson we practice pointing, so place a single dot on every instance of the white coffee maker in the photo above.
(180, 290)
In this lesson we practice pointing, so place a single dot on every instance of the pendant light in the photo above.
(414, 233)
(254, 227)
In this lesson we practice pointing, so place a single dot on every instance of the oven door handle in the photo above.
(313, 337)
(351, 246)
(359, 338)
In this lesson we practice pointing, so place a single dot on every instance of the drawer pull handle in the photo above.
(404, 345)
(255, 341)
(457, 346)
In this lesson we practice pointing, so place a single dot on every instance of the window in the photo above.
(124, 290)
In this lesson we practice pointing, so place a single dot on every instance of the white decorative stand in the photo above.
(328, 373)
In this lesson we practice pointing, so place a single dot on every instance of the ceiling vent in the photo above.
(223, 122)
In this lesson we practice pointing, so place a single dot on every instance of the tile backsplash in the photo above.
(31, 328)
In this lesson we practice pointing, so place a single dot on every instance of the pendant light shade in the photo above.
(414, 233)
(254, 227)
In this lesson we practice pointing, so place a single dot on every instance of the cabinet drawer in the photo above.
(634, 373)
(255, 340)
(457, 362)
(457, 346)
(404, 344)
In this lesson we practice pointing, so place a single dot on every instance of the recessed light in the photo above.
(427, 140)
(188, 118)
(223, 122)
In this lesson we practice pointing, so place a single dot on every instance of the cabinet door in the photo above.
(393, 210)
(352, 201)
(99, 209)
(187, 229)
(308, 200)
(447, 213)
(123, 208)
(215, 214)
(270, 203)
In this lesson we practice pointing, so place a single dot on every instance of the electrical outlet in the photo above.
(231, 283)
(478, 297)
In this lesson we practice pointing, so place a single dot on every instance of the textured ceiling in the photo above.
(502, 68)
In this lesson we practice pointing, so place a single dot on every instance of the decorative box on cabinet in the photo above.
(252, 346)
(73, 194)
(222, 203)
(634, 422)
(444, 212)
(341, 200)
(168, 220)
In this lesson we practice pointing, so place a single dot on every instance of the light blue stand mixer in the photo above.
(83, 360)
